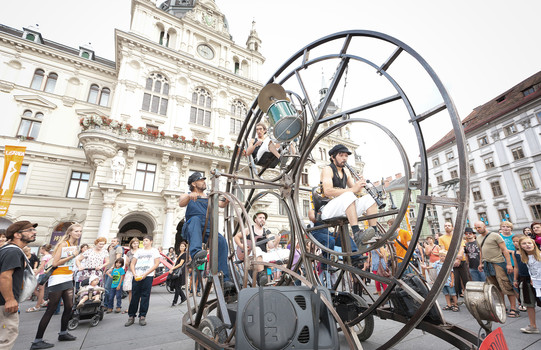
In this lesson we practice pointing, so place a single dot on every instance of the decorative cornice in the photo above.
(183, 59)
(21, 44)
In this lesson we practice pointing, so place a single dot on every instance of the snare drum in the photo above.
(284, 121)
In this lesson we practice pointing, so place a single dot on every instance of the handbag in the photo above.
(175, 274)
(383, 271)
(42, 279)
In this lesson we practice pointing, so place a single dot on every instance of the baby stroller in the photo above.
(90, 309)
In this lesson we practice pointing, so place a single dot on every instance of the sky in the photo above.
(479, 49)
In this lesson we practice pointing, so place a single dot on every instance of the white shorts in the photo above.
(337, 206)
(275, 255)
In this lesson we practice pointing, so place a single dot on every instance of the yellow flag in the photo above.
(13, 159)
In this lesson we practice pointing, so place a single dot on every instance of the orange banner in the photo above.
(13, 159)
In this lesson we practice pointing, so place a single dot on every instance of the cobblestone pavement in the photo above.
(164, 330)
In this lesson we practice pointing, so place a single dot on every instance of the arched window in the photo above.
(164, 38)
(201, 107)
(104, 98)
(237, 67)
(51, 82)
(93, 93)
(37, 80)
(155, 99)
(30, 124)
(238, 113)
(98, 96)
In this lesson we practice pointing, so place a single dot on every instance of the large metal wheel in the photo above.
(390, 98)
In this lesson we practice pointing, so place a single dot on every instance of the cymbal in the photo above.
(270, 93)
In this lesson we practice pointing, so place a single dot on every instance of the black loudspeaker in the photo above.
(405, 305)
(273, 318)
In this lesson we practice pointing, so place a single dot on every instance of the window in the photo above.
(201, 105)
(536, 211)
(237, 67)
(155, 98)
(144, 176)
(489, 163)
(526, 181)
(454, 174)
(37, 80)
(510, 129)
(476, 191)
(51, 82)
(472, 168)
(483, 217)
(482, 141)
(282, 208)
(98, 96)
(39, 77)
(304, 177)
(500, 99)
(30, 125)
(504, 215)
(78, 184)
(21, 178)
(528, 91)
(439, 179)
(450, 155)
(435, 161)
(496, 188)
(238, 113)
(305, 207)
(164, 38)
(517, 152)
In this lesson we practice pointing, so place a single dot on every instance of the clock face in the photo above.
(205, 51)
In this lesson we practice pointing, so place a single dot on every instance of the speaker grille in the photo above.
(301, 301)
(304, 336)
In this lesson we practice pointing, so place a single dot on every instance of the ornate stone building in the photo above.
(111, 144)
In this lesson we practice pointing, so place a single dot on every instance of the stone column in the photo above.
(171, 204)
(110, 192)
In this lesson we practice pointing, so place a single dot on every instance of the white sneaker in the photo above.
(530, 330)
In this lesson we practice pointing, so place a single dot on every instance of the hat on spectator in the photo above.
(195, 177)
(17, 227)
(468, 229)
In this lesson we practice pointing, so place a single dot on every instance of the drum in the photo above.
(284, 121)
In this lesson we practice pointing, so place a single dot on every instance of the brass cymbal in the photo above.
(269, 94)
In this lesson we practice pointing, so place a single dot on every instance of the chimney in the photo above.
(377, 183)
(398, 176)
(388, 181)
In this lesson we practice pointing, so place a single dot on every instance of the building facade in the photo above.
(110, 144)
(504, 154)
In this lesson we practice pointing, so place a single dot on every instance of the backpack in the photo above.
(29, 279)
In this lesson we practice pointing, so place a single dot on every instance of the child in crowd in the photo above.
(473, 255)
(530, 255)
(117, 275)
(448, 288)
(92, 291)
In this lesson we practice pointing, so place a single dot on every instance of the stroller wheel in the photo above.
(73, 323)
(94, 321)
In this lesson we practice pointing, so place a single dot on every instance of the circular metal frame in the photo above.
(286, 183)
